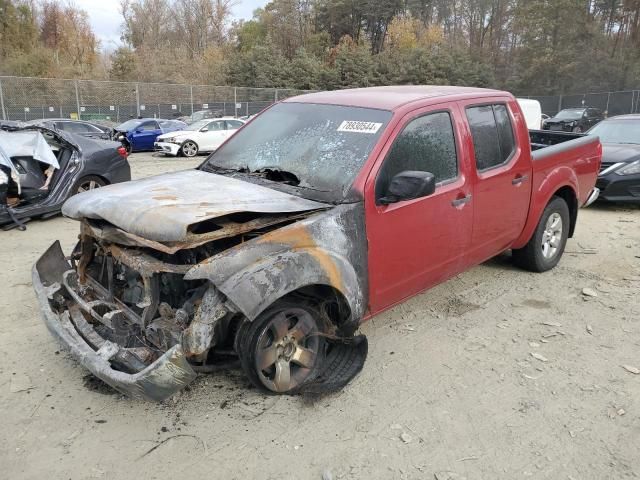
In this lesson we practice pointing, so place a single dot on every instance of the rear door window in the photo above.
(216, 126)
(492, 133)
(233, 124)
(73, 127)
(148, 126)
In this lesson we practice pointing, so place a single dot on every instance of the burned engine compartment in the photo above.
(136, 296)
(145, 313)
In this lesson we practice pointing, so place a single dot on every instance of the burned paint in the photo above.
(192, 196)
(299, 238)
(147, 309)
(327, 248)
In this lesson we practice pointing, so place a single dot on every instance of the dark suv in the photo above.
(576, 120)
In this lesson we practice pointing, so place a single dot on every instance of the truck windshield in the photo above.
(315, 146)
(621, 131)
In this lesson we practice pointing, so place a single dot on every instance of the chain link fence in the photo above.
(612, 103)
(27, 98)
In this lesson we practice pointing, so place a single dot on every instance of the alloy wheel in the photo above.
(189, 149)
(88, 185)
(287, 350)
(552, 235)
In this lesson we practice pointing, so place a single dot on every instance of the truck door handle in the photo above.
(461, 201)
(519, 179)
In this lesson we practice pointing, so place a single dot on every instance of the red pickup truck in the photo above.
(323, 211)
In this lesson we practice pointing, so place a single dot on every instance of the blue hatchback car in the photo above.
(140, 133)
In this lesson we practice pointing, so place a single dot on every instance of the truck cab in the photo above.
(323, 211)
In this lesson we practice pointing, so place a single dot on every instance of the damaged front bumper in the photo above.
(167, 148)
(165, 376)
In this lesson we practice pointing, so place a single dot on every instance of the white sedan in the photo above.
(199, 137)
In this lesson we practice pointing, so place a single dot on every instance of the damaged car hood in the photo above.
(166, 208)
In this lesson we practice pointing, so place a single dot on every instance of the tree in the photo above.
(123, 66)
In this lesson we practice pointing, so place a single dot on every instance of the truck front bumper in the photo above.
(158, 381)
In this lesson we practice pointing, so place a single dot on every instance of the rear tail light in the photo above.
(122, 152)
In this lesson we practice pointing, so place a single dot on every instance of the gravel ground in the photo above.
(496, 374)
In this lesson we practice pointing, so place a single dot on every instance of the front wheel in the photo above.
(189, 149)
(281, 349)
(546, 246)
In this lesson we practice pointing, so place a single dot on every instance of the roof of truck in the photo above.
(391, 97)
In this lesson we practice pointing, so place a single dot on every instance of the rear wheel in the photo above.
(90, 182)
(546, 246)
(189, 149)
(281, 349)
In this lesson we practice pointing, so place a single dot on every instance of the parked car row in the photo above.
(202, 136)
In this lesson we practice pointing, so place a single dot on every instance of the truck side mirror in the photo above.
(408, 185)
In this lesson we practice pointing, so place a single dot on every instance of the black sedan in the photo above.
(77, 127)
(41, 168)
(619, 178)
(575, 120)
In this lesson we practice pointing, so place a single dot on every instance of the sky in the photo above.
(106, 19)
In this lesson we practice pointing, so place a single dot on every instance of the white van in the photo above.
(532, 113)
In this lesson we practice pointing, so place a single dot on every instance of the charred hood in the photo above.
(171, 207)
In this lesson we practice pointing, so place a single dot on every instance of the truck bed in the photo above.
(545, 138)
(556, 150)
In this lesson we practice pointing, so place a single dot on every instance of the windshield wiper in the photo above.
(208, 167)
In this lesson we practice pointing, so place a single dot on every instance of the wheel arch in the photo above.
(309, 271)
(568, 194)
(566, 190)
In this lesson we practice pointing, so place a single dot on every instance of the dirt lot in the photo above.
(497, 374)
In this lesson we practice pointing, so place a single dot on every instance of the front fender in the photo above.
(553, 181)
(321, 250)
(257, 286)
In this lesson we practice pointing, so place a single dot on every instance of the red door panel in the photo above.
(418, 243)
(501, 193)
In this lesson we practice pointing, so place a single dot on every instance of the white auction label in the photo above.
(356, 126)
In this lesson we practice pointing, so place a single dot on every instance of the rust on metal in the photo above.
(227, 229)
(298, 237)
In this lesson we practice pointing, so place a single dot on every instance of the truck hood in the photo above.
(167, 208)
(620, 152)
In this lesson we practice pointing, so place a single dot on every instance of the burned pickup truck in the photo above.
(323, 211)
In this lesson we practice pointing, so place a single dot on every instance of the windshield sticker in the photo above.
(355, 126)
